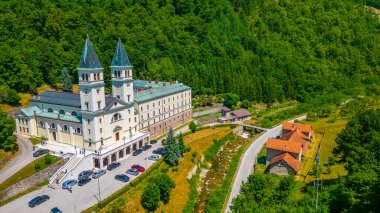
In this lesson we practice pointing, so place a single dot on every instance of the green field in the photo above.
(331, 130)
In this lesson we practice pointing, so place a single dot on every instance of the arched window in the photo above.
(86, 77)
(98, 76)
(50, 110)
(95, 77)
(83, 77)
(65, 128)
(74, 113)
(52, 125)
(116, 117)
(61, 112)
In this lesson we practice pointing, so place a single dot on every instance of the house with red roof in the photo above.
(284, 154)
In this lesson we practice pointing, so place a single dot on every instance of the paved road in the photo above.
(82, 197)
(24, 158)
(249, 158)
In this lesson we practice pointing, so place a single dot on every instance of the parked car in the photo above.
(69, 183)
(159, 151)
(134, 172)
(40, 152)
(55, 210)
(38, 200)
(146, 147)
(137, 152)
(154, 157)
(98, 173)
(85, 174)
(122, 177)
(113, 166)
(153, 141)
(83, 181)
(138, 167)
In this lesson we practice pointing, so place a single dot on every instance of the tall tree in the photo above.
(7, 127)
(67, 84)
(172, 149)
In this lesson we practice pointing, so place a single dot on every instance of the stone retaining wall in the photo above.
(31, 181)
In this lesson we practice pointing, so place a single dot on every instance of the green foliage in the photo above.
(193, 127)
(211, 152)
(181, 144)
(245, 104)
(165, 185)
(230, 99)
(331, 160)
(7, 127)
(9, 96)
(150, 197)
(172, 149)
(48, 159)
(67, 85)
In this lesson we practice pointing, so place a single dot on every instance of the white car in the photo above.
(154, 157)
(98, 173)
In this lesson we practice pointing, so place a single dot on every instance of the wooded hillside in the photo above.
(262, 50)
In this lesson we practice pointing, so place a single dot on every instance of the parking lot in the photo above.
(85, 196)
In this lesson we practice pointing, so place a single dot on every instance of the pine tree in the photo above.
(67, 85)
(173, 152)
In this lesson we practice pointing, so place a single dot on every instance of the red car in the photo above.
(138, 167)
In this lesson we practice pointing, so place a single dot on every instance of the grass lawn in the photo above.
(35, 141)
(260, 165)
(27, 171)
(331, 130)
(199, 142)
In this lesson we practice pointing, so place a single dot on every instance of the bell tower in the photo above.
(121, 73)
(92, 95)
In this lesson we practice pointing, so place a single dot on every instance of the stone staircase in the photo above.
(57, 178)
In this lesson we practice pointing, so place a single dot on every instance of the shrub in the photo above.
(193, 127)
(165, 184)
(194, 154)
(150, 197)
(37, 167)
(331, 160)
(48, 159)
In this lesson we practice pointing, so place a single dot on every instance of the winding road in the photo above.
(24, 158)
(246, 166)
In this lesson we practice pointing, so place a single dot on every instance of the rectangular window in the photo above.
(100, 120)
(86, 103)
(141, 109)
(128, 97)
(153, 105)
(99, 104)
(89, 131)
(88, 121)
(101, 130)
(118, 96)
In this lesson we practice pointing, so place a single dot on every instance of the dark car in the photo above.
(84, 181)
(55, 210)
(138, 167)
(38, 200)
(85, 174)
(99, 173)
(69, 183)
(134, 172)
(159, 151)
(153, 141)
(137, 152)
(113, 166)
(40, 152)
(122, 177)
(146, 147)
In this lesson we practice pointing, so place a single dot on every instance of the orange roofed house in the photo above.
(285, 153)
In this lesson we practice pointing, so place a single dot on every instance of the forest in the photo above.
(359, 191)
(262, 50)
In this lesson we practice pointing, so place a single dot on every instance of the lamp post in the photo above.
(99, 189)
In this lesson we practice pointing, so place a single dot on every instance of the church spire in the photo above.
(120, 58)
(89, 59)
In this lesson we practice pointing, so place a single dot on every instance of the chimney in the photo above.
(138, 89)
(150, 81)
(164, 84)
(156, 81)
(150, 87)
(171, 82)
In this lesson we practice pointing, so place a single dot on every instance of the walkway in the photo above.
(249, 158)
(24, 158)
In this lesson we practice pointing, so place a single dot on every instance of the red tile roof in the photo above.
(291, 126)
(296, 136)
(290, 160)
(285, 146)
